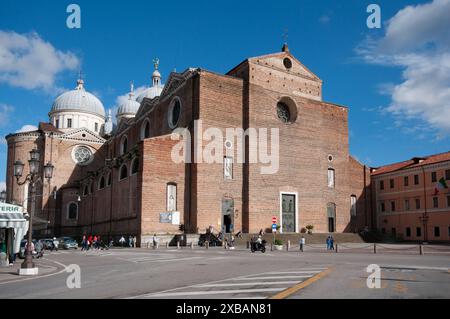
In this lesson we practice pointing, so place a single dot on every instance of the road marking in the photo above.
(250, 284)
(315, 271)
(164, 260)
(272, 277)
(214, 292)
(410, 267)
(288, 292)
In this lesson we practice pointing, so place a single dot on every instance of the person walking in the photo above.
(55, 243)
(84, 243)
(328, 243)
(130, 241)
(94, 243)
(331, 243)
(122, 241)
(155, 241)
(89, 242)
(302, 243)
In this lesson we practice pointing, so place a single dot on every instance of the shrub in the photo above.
(310, 228)
(278, 242)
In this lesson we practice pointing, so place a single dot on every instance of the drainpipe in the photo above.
(425, 214)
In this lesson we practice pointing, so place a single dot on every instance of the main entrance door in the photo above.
(288, 213)
(331, 212)
(227, 215)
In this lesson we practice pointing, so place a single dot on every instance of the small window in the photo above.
(391, 183)
(437, 231)
(228, 168)
(408, 232)
(123, 172)
(353, 206)
(447, 174)
(382, 207)
(109, 179)
(69, 123)
(85, 190)
(433, 177)
(392, 206)
(435, 202)
(331, 178)
(381, 185)
(406, 180)
(57, 123)
(135, 166)
(145, 130)
(101, 184)
(448, 201)
(91, 187)
(72, 213)
(416, 179)
(171, 197)
(418, 232)
(287, 63)
(123, 145)
(407, 204)
(417, 203)
(96, 127)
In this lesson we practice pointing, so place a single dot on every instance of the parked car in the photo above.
(22, 249)
(48, 243)
(67, 243)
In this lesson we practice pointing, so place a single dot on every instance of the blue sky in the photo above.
(362, 68)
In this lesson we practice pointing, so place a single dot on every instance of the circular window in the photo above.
(330, 158)
(174, 112)
(287, 63)
(228, 144)
(283, 112)
(82, 155)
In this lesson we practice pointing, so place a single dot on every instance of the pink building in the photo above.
(412, 198)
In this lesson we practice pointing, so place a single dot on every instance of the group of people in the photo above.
(131, 241)
(330, 243)
(94, 242)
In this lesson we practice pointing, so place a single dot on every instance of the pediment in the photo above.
(83, 134)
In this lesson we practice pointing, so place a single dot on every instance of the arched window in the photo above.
(101, 184)
(85, 190)
(135, 166)
(145, 129)
(91, 187)
(124, 145)
(353, 206)
(108, 180)
(171, 197)
(72, 211)
(123, 172)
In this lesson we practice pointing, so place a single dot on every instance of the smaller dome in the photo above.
(150, 93)
(130, 107)
(156, 74)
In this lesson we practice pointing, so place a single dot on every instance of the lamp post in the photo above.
(28, 267)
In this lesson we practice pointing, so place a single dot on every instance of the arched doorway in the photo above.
(331, 213)
(227, 215)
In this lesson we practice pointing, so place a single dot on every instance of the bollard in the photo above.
(288, 245)
(374, 248)
(271, 247)
(248, 245)
(336, 248)
(167, 245)
(192, 245)
(207, 245)
(421, 249)
(148, 245)
(178, 245)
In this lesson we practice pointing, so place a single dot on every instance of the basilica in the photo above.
(118, 177)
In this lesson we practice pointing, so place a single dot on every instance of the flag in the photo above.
(442, 184)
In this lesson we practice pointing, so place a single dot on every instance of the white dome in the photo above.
(130, 107)
(150, 93)
(78, 100)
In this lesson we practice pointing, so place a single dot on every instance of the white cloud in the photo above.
(27, 128)
(2, 186)
(5, 110)
(124, 98)
(417, 40)
(29, 62)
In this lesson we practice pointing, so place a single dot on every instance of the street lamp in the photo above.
(3, 196)
(28, 267)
